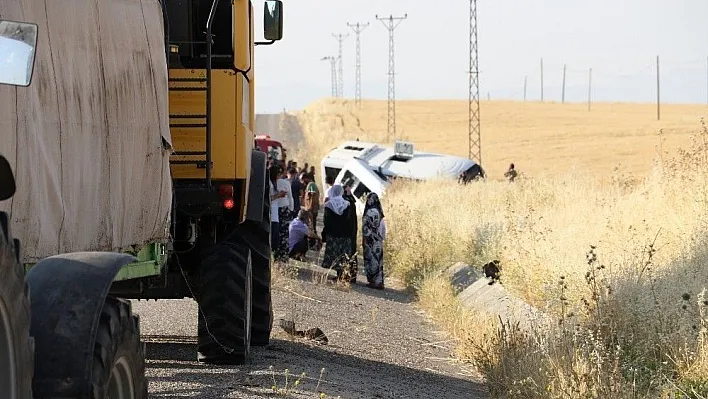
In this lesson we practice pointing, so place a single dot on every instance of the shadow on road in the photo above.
(184, 351)
(312, 273)
(335, 374)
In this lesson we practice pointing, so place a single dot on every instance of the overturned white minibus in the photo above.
(369, 167)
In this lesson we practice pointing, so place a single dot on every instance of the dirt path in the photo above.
(380, 346)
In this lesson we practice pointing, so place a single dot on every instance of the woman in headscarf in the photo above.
(374, 232)
(336, 234)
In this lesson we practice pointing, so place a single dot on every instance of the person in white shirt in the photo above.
(275, 196)
(286, 206)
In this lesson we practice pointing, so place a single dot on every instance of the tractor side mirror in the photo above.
(18, 41)
(273, 20)
(7, 180)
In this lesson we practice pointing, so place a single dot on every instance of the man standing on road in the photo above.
(311, 201)
(296, 189)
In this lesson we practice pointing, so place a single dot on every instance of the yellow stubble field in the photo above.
(540, 138)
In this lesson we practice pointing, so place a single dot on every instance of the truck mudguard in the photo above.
(257, 185)
(67, 293)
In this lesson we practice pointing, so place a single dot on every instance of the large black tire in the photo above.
(16, 345)
(262, 305)
(258, 239)
(118, 354)
(224, 335)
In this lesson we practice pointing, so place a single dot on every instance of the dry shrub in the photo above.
(620, 264)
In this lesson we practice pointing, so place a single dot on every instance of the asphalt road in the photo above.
(380, 346)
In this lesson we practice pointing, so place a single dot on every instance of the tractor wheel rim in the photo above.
(121, 384)
(7, 354)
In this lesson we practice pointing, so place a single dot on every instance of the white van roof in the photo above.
(347, 151)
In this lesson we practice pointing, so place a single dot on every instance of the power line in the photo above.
(541, 79)
(340, 38)
(589, 88)
(563, 90)
(358, 28)
(391, 23)
(474, 129)
(658, 91)
(333, 64)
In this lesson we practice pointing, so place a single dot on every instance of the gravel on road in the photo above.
(380, 345)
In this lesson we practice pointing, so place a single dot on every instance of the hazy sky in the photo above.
(619, 39)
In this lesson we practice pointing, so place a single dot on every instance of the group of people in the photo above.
(292, 190)
(295, 205)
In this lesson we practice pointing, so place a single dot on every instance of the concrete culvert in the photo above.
(483, 292)
(462, 276)
(16, 345)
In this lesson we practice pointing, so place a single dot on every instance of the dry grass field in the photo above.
(541, 138)
(617, 258)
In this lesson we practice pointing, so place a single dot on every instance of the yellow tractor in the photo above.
(221, 212)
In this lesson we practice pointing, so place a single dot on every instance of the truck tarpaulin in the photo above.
(89, 140)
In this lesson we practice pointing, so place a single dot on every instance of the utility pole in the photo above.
(474, 131)
(391, 23)
(563, 93)
(333, 64)
(526, 80)
(340, 38)
(358, 28)
(589, 88)
(658, 91)
(541, 79)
